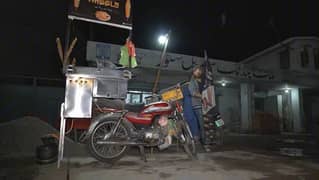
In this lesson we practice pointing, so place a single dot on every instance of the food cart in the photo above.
(84, 85)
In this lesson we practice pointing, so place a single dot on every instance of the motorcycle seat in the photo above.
(134, 107)
(139, 118)
(104, 109)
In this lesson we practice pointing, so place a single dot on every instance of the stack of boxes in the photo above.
(210, 126)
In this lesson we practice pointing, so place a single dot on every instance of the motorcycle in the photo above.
(113, 131)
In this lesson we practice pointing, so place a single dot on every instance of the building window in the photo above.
(136, 97)
(259, 104)
(316, 57)
(284, 59)
(304, 57)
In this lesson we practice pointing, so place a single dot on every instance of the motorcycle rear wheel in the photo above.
(107, 153)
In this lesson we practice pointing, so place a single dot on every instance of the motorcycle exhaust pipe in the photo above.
(124, 143)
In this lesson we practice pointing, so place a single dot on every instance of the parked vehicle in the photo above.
(114, 131)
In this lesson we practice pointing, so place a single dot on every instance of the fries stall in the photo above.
(85, 85)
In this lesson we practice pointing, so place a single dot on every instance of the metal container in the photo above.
(78, 97)
(85, 83)
(110, 88)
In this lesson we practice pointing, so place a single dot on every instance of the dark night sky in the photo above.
(29, 30)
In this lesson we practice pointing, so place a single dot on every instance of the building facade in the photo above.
(273, 91)
(294, 99)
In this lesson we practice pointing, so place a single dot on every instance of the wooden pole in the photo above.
(59, 47)
(66, 43)
(68, 53)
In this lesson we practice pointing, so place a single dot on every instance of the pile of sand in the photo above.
(20, 137)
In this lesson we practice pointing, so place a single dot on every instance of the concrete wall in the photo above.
(150, 59)
(147, 58)
(270, 60)
(20, 100)
(315, 117)
(44, 102)
(280, 110)
(247, 106)
(296, 110)
(296, 48)
(296, 78)
(311, 106)
(228, 103)
(271, 106)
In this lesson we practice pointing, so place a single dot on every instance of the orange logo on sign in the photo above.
(106, 3)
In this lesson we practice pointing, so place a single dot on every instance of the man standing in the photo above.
(194, 88)
(189, 113)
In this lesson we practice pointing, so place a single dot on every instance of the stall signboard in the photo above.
(208, 99)
(115, 13)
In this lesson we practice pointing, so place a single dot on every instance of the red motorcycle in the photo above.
(113, 131)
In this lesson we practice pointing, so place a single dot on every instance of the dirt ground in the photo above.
(227, 164)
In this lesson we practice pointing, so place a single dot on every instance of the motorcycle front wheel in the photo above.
(105, 152)
(189, 142)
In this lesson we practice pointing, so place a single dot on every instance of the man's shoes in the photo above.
(207, 148)
(196, 139)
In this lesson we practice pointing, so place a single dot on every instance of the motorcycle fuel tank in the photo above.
(146, 116)
(158, 107)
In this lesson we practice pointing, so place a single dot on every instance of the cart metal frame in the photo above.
(83, 84)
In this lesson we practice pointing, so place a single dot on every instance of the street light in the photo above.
(163, 40)
(223, 84)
